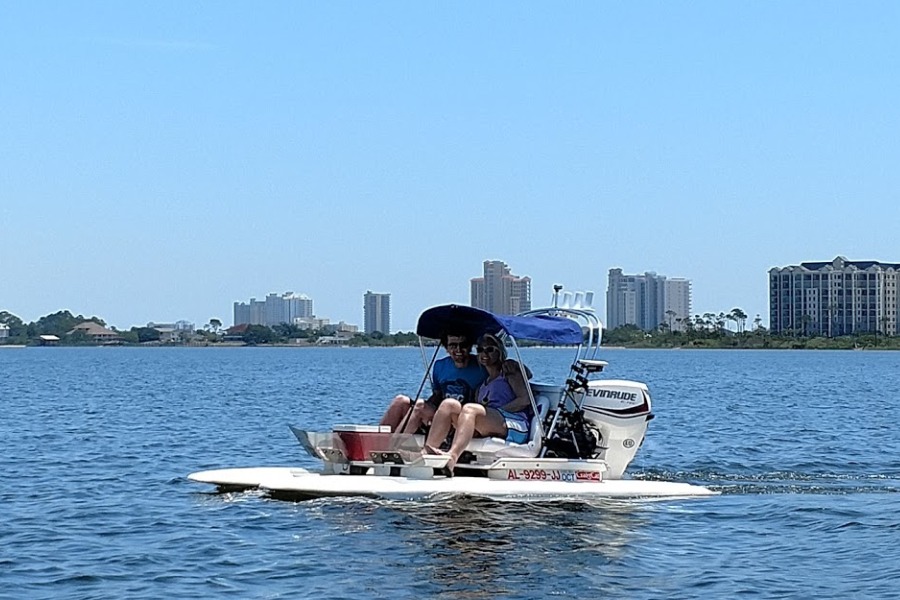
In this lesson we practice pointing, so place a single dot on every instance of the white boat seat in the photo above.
(500, 448)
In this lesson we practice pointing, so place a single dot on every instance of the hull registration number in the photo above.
(553, 475)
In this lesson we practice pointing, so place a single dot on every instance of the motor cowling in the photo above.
(616, 398)
(620, 410)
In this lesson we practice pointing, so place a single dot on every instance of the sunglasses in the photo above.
(487, 349)
(458, 346)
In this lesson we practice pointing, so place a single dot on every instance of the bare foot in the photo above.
(432, 450)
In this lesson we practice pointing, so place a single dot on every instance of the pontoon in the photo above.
(584, 434)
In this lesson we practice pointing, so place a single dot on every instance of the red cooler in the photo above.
(360, 440)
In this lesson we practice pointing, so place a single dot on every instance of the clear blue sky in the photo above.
(161, 160)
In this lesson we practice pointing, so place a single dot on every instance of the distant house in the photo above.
(178, 326)
(4, 332)
(236, 333)
(340, 338)
(48, 340)
(168, 335)
(96, 332)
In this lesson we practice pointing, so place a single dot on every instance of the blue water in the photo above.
(96, 443)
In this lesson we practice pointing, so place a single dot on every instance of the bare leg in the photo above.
(396, 411)
(423, 412)
(474, 417)
(444, 419)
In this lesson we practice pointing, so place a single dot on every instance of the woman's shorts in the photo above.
(517, 426)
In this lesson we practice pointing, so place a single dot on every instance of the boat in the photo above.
(585, 431)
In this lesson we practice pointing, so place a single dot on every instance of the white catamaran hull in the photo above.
(300, 483)
(584, 432)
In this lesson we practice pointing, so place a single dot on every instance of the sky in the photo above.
(161, 160)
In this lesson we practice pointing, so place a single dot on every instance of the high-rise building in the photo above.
(834, 298)
(647, 300)
(275, 309)
(297, 306)
(376, 313)
(242, 313)
(676, 302)
(499, 291)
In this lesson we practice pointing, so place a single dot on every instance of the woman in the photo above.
(502, 407)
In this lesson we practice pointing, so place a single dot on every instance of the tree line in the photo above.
(285, 333)
(61, 324)
(58, 324)
(710, 330)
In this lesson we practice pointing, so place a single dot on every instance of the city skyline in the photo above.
(301, 305)
(162, 161)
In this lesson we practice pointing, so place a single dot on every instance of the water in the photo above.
(96, 443)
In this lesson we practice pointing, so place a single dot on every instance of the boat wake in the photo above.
(781, 482)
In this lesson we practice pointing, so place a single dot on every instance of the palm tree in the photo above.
(671, 315)
(805, 320)
(730, 316)
(690, 325)
(739, 317)
(720, 323)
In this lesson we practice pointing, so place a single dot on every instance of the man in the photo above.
(454, 376)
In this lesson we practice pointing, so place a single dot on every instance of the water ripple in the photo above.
(803, 446)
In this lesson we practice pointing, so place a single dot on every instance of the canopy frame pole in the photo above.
(534, 405)
(562, 402)
(588, 348)
(413, 399)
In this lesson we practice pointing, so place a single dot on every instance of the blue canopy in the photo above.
(453, 318)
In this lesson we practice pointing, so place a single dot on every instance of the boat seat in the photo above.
(500, 448)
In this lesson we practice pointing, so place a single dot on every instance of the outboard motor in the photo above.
(600, 418)
(590, 418)
(620, 411)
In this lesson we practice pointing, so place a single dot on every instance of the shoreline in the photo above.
(346, 347)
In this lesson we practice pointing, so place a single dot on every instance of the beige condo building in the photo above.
(499, 291)
(834, 298)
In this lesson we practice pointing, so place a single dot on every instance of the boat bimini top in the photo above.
(453, 318)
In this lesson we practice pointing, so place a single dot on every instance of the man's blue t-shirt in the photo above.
(454, 382)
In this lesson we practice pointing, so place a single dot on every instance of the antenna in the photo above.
(556, 289)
